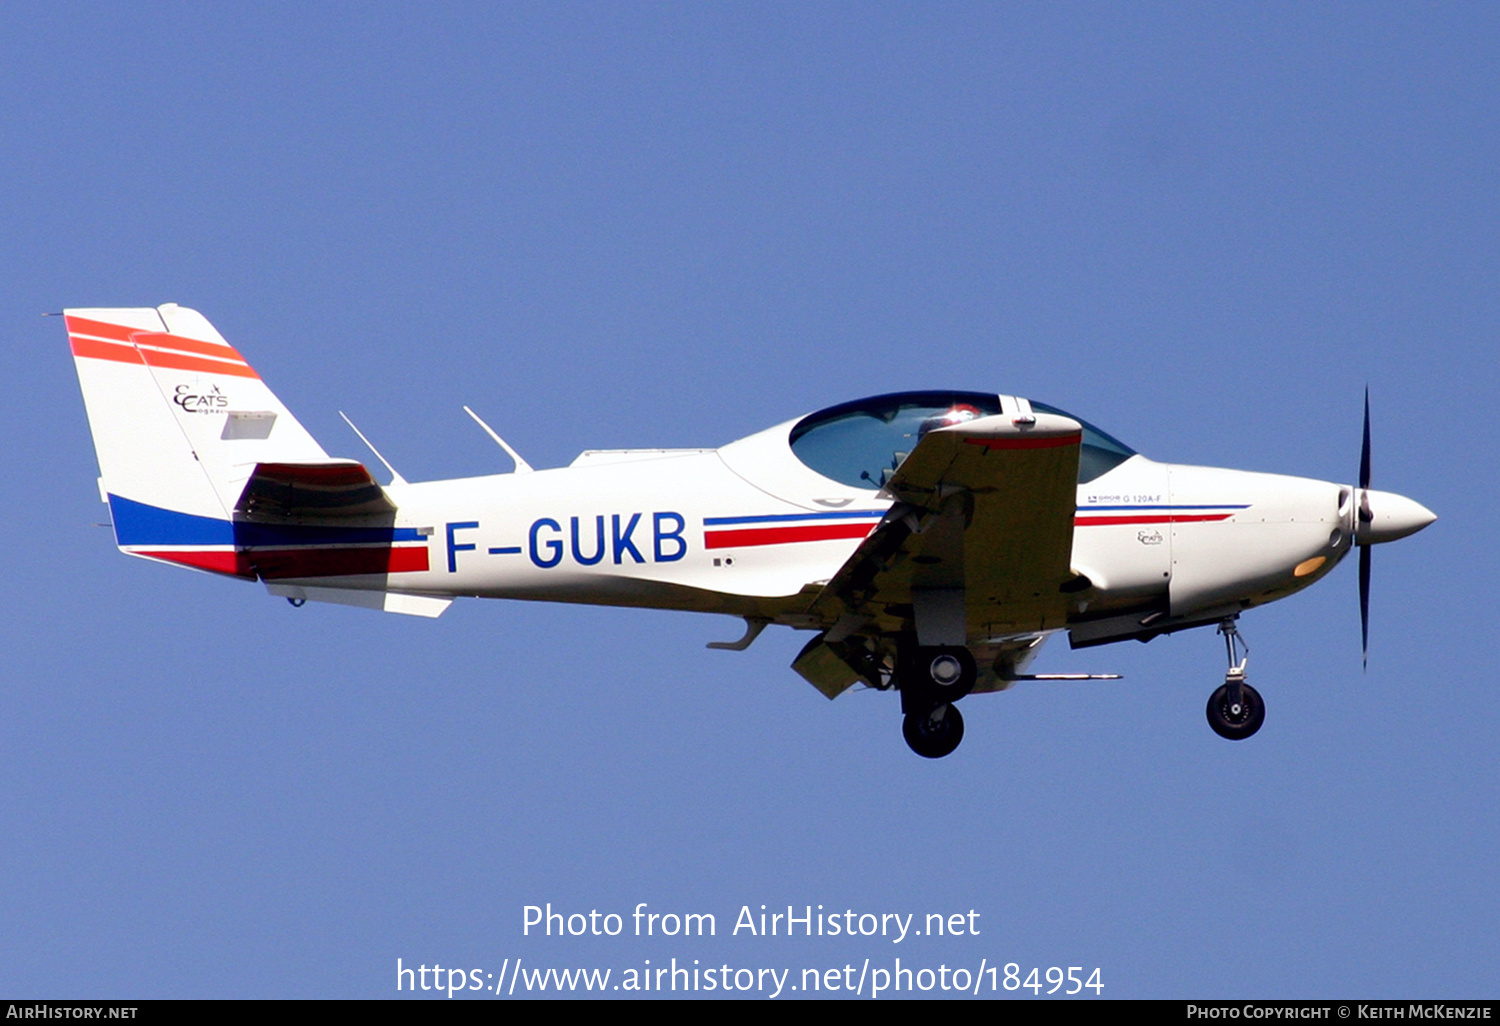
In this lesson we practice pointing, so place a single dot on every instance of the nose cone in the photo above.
(1392, 516)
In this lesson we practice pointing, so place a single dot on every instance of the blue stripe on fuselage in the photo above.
(137, 523)
(780, 518)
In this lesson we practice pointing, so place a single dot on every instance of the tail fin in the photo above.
(180, 421)
(203, 467)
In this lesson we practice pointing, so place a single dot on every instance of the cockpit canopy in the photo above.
(861, 443)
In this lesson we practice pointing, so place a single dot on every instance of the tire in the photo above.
(941, 674)
(1236, 725)
(933, 738)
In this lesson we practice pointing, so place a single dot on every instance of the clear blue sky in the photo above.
(1203, 227)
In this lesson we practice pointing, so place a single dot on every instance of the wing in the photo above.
(977, 547)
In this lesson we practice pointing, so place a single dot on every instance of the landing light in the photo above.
(1308, 566)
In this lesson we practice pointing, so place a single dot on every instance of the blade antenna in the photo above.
(522, 467)
(396, 478)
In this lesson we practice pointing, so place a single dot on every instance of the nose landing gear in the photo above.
(1235, 710)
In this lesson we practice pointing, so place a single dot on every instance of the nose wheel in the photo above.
(1236, 717)
(1235, 710)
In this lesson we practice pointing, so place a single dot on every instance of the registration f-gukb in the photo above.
(930, 541)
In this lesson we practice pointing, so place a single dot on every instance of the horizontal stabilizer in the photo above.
(389, 601)
(333, 490)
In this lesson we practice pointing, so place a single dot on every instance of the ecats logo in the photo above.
(1148, 537)
(212, 401)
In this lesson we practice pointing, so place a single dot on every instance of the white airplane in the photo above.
(932, 540)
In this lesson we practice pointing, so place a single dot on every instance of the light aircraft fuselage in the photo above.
(931, 541)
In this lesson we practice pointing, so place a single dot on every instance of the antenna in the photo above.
(395, 477)
(522, 467)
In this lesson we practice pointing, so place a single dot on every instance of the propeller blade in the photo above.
(1364, 452)
(1364, 466)
(1364, 604)
(1365, 516)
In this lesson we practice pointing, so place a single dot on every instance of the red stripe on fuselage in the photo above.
(280, 564)
(1175, 518)
(744, 538)
(235, 564)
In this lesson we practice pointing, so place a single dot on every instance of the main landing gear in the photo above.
(931, 679)
(935, 733)
(1235, 710)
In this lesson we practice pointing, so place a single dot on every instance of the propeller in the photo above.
(1365, 516)
(1379, 517)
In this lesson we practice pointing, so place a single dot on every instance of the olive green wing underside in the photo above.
(979, 542)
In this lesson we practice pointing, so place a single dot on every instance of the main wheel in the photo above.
(933, 734)
(1236, 722)
(943, 674)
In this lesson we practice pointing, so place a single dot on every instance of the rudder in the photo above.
(180, 420)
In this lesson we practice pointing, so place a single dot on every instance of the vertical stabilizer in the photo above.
(180, 420)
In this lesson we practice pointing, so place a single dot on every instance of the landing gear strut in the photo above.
(931, 679)
(1235, 710)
